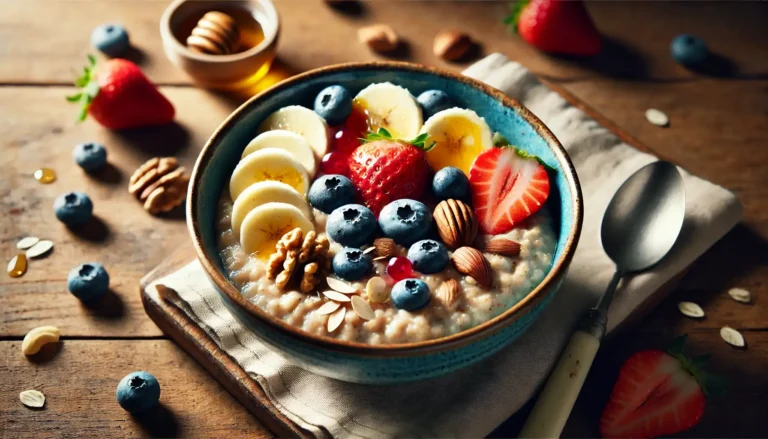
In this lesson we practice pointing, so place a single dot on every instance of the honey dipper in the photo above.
(215, 34)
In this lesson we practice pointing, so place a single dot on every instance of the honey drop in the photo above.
(18, 265)
(45, 175)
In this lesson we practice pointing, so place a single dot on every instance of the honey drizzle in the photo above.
(18, 265)
(45, 175)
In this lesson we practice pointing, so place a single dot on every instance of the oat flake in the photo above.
(656, 117)
(334, 321)
(369, 250)
(335, 296)
(40, 249)
(32, 398)
(327, 308)
(732, 336)
(740, 295)
(340, 286)
(690, 309)
(27, 242)
(362, 308)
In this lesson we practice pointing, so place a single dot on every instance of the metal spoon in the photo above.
(640, 226)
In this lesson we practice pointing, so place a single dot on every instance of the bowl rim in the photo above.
(166, 34)
(556, 272)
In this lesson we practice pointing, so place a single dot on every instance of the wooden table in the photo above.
(719, 130)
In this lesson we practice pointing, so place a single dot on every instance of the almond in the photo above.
(471, 262)
(502, 246)
(448, 293)
(379, 37)
(456, 223)
(385, 247)
(451, 45)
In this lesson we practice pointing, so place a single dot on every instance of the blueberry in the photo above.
(450, 182)
(90, 156)
(434, 101)
(73, 208)
(334, 104)
(428, 256)
(410, 294)
(351, 225)
(111, 39)
(138, 392)
(331, 191)
(406, 221)
(88, 282)
(352, 264)
(689, 50)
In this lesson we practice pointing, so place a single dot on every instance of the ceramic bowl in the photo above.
(358, 362)
(229, 72)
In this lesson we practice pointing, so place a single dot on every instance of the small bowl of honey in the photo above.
(225, 45)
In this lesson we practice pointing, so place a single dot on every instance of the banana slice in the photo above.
(289, 141)
(391, 107)
(459, 136)
(262, 193)
(268, 164)
(302, 121)
(266, 224)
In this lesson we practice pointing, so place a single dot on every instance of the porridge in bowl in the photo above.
(406, 220)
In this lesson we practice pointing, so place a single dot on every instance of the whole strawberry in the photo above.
(119, 96)
(657, 394)
(556, 26)
(385, 170)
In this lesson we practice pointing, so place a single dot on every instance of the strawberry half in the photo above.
(657, 393)
(118, 95)
(507, 187)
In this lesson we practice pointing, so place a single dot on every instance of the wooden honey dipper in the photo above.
(215, 34)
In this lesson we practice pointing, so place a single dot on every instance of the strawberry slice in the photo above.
(657, 393)
(506, 188)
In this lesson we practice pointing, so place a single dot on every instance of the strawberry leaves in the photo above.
(90, 88)
(382, 134)
(710, 384)
(516, 8)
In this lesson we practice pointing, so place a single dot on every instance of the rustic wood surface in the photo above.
(718, 131)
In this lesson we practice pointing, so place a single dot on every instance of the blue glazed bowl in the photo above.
(358, 362)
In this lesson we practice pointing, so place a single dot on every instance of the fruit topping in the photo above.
(428, 256)
(556, 26)
(450, 182)
(268, 164)
(138, 392)
(111, 39)
(410, 294)
(399, 268)
(334, 104)
(265, 225)
(88, 282)
(386, 170)
(434, 101)
(507, 187)
(90, 156)
(335, 163)
(351, 264)
(293, 143)
(459, 135)
(689, 50)
(390, 107)
(456, 223)
(302, 121)
(346, 137)
(351, 225)
(331, 191)
(406, 221)
(262, 193)
(73, 208)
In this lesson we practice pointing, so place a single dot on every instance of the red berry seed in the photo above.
(399, 268)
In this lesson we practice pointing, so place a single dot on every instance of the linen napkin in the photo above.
(473, 401)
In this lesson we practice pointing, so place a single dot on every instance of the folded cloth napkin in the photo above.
(473, 401)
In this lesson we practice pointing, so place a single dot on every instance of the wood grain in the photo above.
(79, 383)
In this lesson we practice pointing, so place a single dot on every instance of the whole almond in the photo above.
(379, 37)
(471, 262)
(502, 246)
(451, 45)
(448, 293)
(385, 247)
(456, 223)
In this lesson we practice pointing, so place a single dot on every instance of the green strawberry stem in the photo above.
(710, 384)
(89, 88)
(382, 134)
(516, 8)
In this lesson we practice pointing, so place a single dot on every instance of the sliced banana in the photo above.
(268, 164)
(302, 121)
(262, 193)
(266, 224)
(292, 142)
(391, 107)
(459, 135)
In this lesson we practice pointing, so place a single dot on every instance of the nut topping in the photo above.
(160, 183)
(379, 37)
(456, 223)
(471, 262)
(451, 45)
(502, 246)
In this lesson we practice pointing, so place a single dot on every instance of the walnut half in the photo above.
(298, 255)
(160, 183)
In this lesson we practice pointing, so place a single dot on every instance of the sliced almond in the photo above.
(334, 321)
(32, 398)
(369, 250)
(380, 258)
(340, 286)
(335, 296)
(690, 309)
(732, 336)
(362, 308)
(327, 308)
(27, 242)
(502, 246)
(377, 291)
(448, 293)
(40, 249)
(740, 295)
